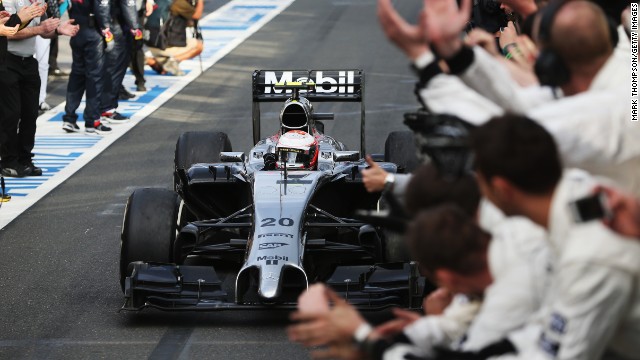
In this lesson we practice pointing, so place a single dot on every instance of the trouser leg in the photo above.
(77, 79)
(10, 103)
(114, 61)
(53, 53)
(137, 58)
(29, 93)
(94, 55)
(42, 54)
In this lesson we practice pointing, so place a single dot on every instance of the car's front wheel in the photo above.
(149, 229)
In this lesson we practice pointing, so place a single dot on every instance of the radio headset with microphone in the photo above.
(550, 69)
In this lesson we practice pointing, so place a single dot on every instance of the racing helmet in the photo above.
(296, 115)
(298, 150)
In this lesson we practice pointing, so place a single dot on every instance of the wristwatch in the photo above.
(388, 182)
(362, 333)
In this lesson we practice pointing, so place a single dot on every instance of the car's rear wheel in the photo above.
(199, 147)
(400, 149)
(149, 228)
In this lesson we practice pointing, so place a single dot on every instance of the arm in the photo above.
(102, 12)
(199, 9)
(129, 14)
(490, 77)
(442, 23)
(446, 94)
(28, 33)
(443, 330)
(508, 304)
(14, 20)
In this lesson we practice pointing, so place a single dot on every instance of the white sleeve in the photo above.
(400, 186)
(401, 351)
(508, 304)
(490, 78)
(445, 329)
(447, 94)
(593, 128)
(590, 300)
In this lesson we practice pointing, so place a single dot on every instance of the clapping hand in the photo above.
(6, 30)
(68, 28)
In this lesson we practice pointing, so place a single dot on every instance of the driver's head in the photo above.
(297, 150)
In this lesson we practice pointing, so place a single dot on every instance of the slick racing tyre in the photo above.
(199, 147)
(400, 149)
(149, 228)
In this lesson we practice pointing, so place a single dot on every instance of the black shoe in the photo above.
(13, 171)
(98, 129)
(70, 127)
(113, 117)
(141, 88)
(125, 95)
(31, 170)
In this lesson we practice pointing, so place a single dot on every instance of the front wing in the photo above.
(184, 287)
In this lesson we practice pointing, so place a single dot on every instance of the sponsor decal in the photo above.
(271, 276)
(272, 259)
(549, 346)
(324, 84)
(558, 323)
(275, 235)
(271, 245)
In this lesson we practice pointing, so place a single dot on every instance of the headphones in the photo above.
(550, 69)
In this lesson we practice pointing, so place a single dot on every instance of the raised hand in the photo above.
(405, 36)
(374, 177)
(442, 24)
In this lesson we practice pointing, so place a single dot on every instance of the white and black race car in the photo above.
(254, 230)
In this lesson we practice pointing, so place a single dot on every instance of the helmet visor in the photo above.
(294, 157)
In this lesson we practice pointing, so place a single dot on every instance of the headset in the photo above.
(550, 69)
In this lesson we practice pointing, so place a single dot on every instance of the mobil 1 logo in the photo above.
(272, 259)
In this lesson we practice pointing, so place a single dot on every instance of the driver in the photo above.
(297, 150)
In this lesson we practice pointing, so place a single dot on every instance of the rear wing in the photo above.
(331, 86)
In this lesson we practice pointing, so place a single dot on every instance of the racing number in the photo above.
(272, 222)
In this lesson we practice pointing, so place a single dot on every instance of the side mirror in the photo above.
(339, 156)
(232, 156)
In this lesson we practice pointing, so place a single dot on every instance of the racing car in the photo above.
(253, 230)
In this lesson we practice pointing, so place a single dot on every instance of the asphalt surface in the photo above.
(59, 289)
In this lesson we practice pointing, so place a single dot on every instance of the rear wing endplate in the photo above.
(331, 86)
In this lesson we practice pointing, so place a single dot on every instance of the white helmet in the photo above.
(298, 150)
